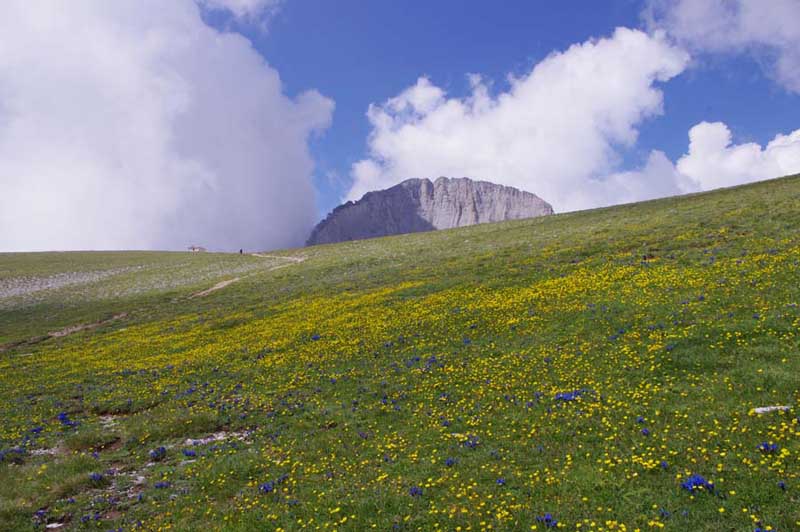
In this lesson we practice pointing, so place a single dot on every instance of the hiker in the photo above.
(240, 252)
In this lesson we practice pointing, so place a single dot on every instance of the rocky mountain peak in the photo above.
(423, 205)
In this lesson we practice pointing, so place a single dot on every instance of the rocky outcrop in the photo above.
(421, 205)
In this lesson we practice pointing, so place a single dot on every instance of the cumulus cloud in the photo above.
(556, 132)
(767, 29)
(132, 124)
(713, 161)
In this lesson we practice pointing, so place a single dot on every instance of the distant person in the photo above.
(240, 252)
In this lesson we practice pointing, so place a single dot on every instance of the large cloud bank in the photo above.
(560, 131)
(132, 124)
(552, 132)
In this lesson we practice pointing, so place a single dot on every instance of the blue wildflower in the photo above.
(95, 477)
(548, 520)
(158, 454)
(471, 441)
(768, 447)
(189, 453)
(266, 487)
(315, 337)
(63, 417)
(782, 485)
(501, 481)
(162, 485)
(569, 396)
(697, 482)
(645, 432)
(415, 491)
(566, 396)
(450, 462)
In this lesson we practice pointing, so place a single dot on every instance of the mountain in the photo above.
(422, 205)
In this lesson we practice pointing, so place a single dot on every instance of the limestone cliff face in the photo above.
(421, 205)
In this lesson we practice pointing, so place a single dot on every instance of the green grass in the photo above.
(317, 394)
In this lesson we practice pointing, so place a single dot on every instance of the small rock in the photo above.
(767, 409)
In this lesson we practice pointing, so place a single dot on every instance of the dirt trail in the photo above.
(66, 331)
(219, 286)
(284, 257)
(222, 284)
(76, 328)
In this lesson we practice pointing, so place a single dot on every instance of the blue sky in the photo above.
(359, 53)
(240, 123)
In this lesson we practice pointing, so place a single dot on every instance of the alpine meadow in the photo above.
(618, 369)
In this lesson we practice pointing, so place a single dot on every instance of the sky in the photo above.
(140, 124)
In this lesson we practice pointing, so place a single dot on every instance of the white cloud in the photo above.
(554, 132)
(768, 29)
(657, 179)
(713, 161)
(132, 124)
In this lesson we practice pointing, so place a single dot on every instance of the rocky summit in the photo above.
(423, 205)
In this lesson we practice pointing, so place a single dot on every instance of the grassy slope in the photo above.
(90, 286)
(447, 345)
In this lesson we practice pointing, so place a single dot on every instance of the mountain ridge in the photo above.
(419, 204)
